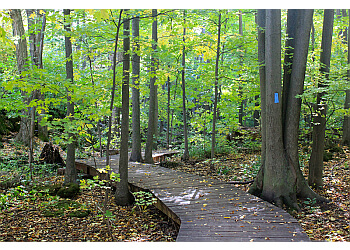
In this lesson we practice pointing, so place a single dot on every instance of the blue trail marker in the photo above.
(276, 98)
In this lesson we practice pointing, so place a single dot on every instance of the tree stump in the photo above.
(51, 154)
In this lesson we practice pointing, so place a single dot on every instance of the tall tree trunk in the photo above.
(123, 196)
(319, 123)
(156, 132)
(212, 155)
(34, 57)
(114, 63)
(43, 133)
(22, 65)
(70, 175)
(168, 116)
(240, 87)
(346, 123)
(186, 154)
(152, 98)
(136, 135)
(262, 77)
(298, 30)
(280, 180)
(36, 41)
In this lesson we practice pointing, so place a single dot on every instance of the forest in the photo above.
(256, 98)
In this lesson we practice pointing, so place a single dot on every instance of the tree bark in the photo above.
(152, 98)
(70, 175)
(300, 22)
(36, 41)
(212, 155)
(319, 123)
(123, 196)
(346, 123)
(109, 133)
(280, 180)
(240, 91)
(257, 185)
(22, 65)
(136, 135)
(168, 115)
(186, 154)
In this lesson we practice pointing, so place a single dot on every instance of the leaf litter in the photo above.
(23, 220)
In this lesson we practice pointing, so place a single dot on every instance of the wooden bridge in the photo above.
(207, 209)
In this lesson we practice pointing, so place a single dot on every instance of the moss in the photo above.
(80, 213)
(61, 207)
(50, 189)
(68, 191)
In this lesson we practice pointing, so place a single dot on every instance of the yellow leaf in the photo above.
(33, 15)
(204, 205)
(90, 11)
(104, 13)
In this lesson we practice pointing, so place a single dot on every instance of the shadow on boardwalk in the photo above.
(208, 209)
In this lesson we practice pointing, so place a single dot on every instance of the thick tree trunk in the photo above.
(136, 135)
(299, 26)
(319, 123)
(22, 65)
(123, 196)
(186, 154)
(70, 175)
(213, 132)
(152, 98)
(280, 180)
(346, 123)
(276, 180)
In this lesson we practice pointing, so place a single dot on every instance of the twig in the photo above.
(107, 221)
(241, 182)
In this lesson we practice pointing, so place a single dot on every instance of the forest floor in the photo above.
(28, 213)
(322, 222)
(22, 211)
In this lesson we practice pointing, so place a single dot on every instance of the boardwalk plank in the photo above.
(210, 210)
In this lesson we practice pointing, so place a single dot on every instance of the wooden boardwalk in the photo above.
(208, 209)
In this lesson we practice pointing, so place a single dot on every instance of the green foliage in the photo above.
(144, 199)
(311, 204)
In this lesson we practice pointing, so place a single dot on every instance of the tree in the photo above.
(280, 180)
(36, 27)
(216, 82)
(114, 62)
(70, 175)
(319, 122)
(152, 96)
(346, 123)
(22, 65)
(242, 101)
(123, 196)
(36, 43)
(136, 135)
(186, 154)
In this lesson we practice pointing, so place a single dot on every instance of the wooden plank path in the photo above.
(210, 210)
